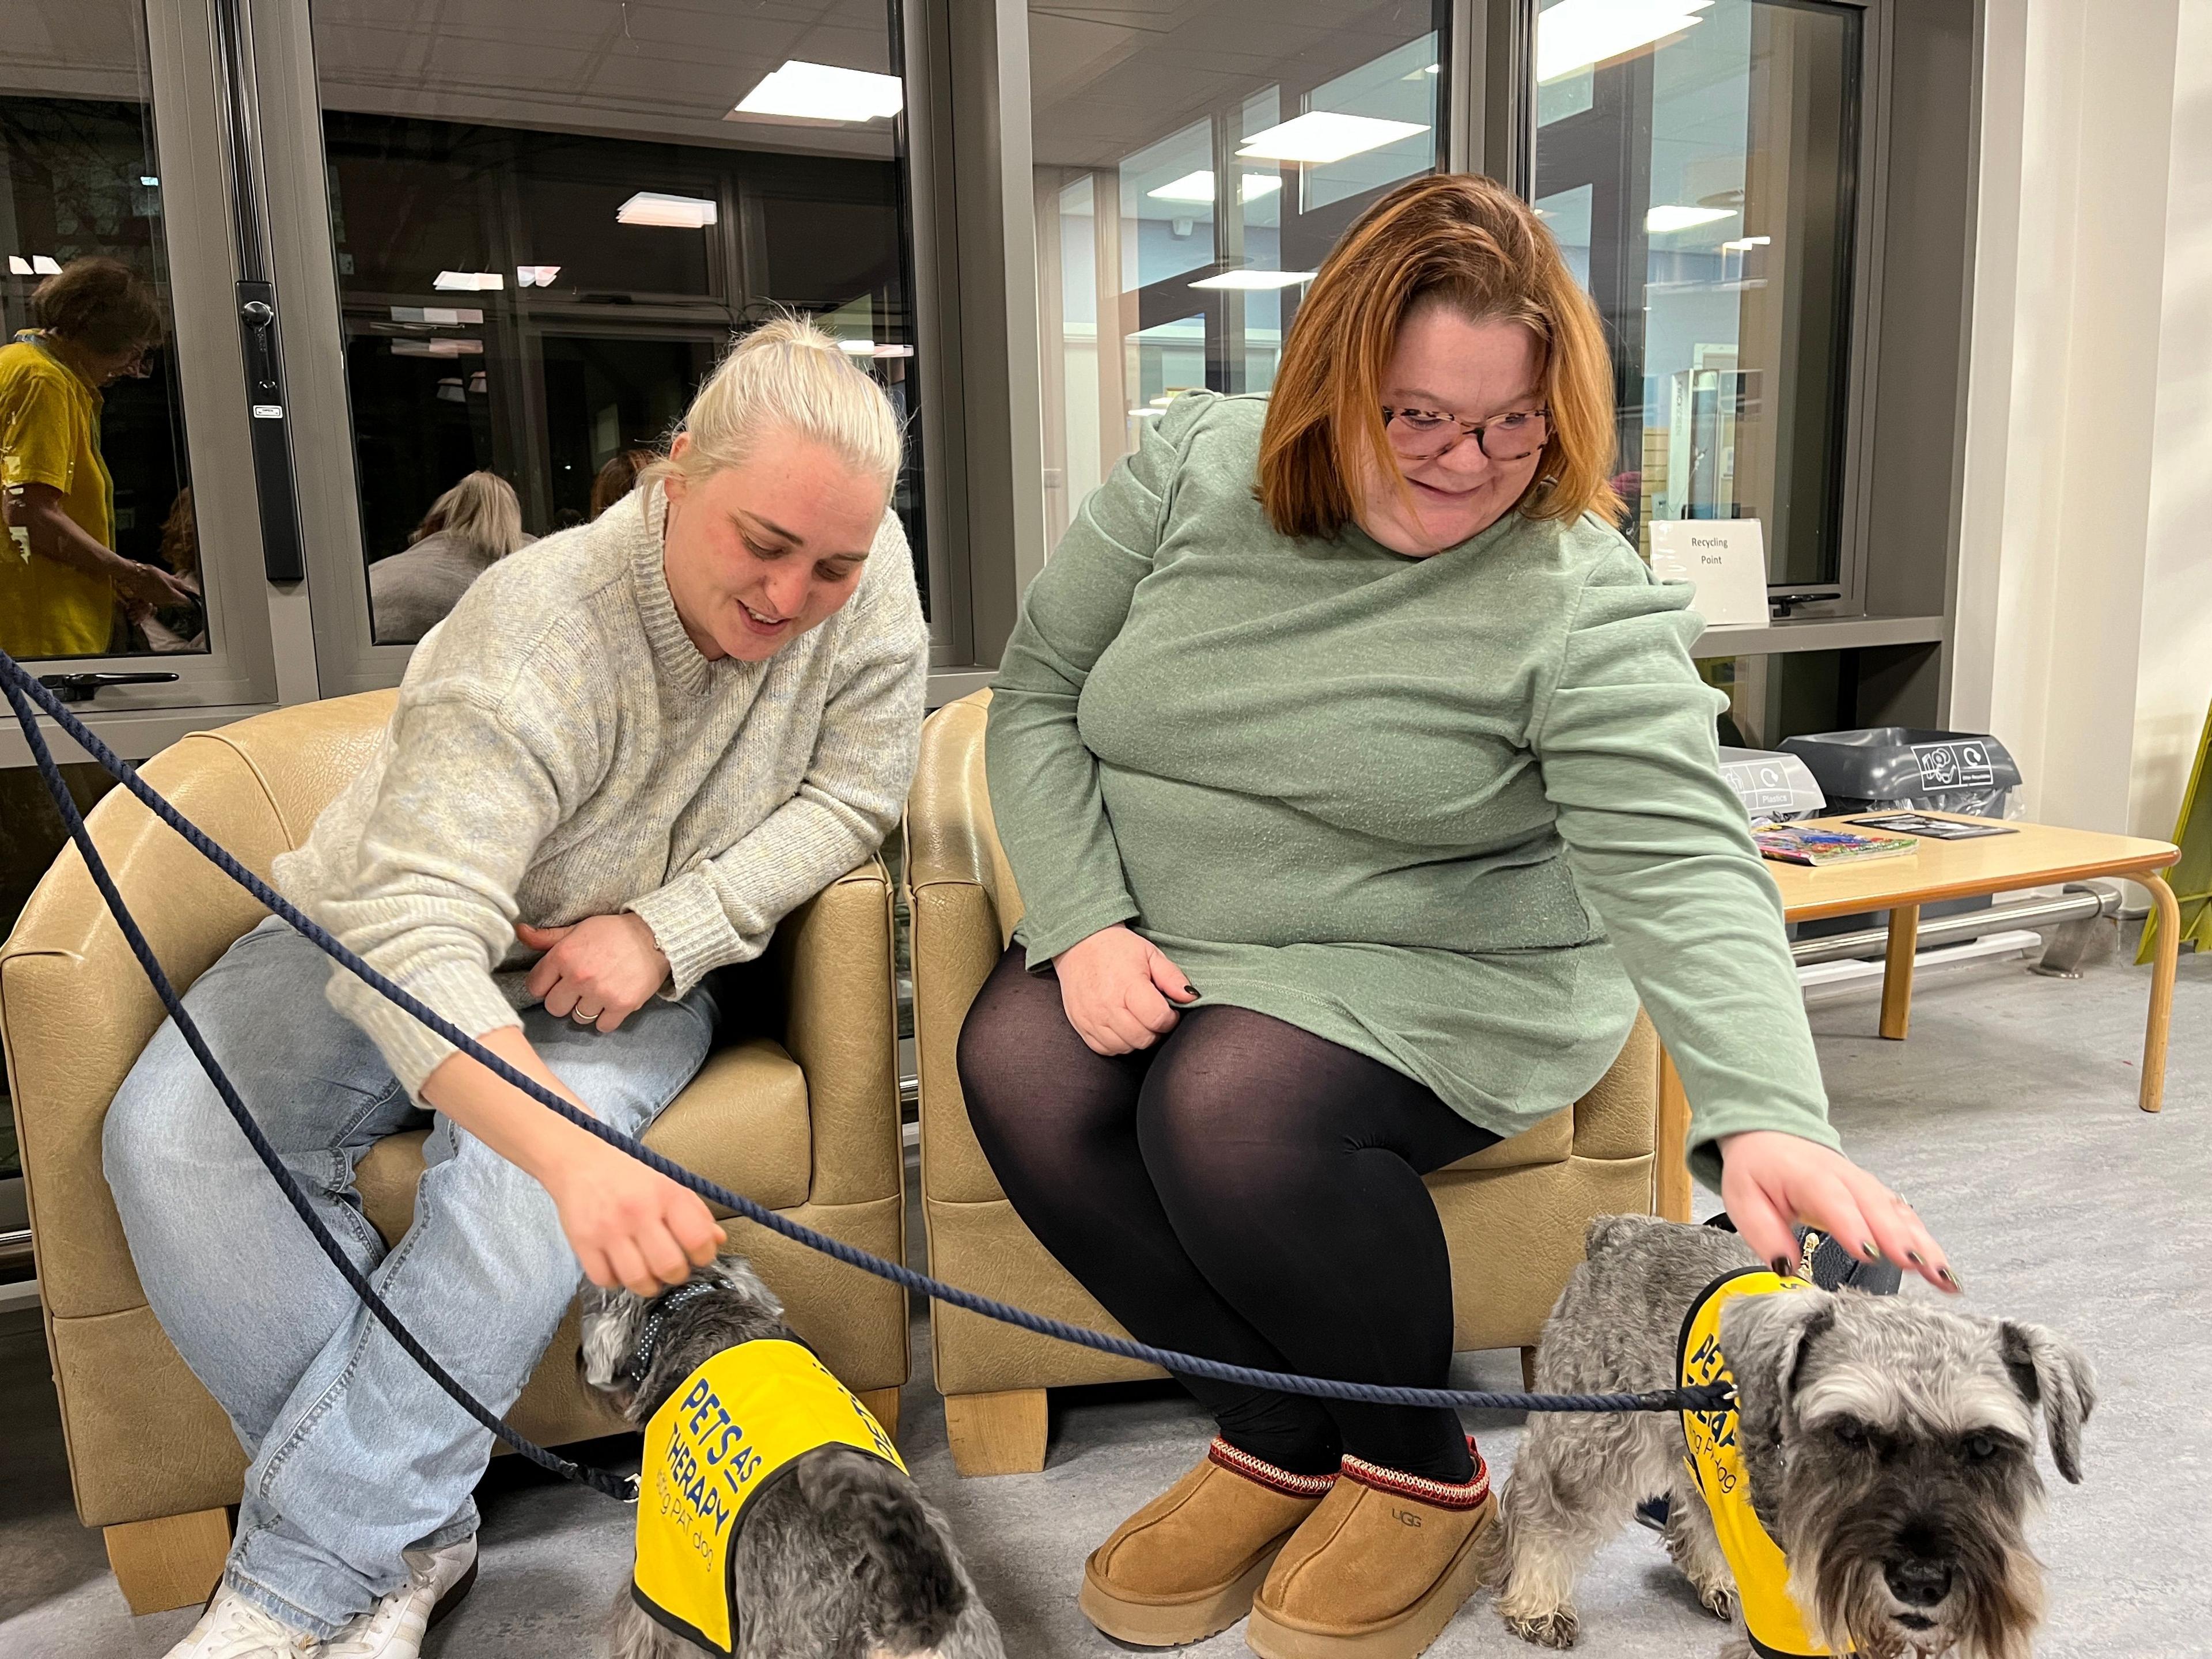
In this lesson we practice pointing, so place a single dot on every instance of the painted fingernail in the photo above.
(1781, 1265)
(1873, 1250)
(1949, 1278)
(1190, 990)
(1916, 1258)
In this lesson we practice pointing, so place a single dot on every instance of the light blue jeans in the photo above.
(357, 1454)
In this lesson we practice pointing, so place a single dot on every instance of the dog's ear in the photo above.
(2051, 1373)
(610, 1337)
(1766, 1339)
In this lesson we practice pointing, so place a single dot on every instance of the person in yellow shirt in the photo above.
(60, 575)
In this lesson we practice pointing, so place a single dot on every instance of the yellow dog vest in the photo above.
(728, 1430)
(1771, 1614)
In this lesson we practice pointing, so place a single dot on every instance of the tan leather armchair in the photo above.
(1514, 1214)
(808, 1126)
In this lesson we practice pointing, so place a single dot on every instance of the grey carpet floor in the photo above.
(2008, 1117)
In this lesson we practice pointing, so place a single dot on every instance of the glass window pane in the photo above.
(547, 228)
(92, 430)
(1150, 281)
(1697, 160)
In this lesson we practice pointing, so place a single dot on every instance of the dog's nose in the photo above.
(1917, 1581)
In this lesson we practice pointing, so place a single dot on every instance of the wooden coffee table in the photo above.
(2039, 855)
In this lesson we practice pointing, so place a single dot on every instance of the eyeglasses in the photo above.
(1422, 434)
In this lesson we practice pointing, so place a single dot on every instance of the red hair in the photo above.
(1452, 238)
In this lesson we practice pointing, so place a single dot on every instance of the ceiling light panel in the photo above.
(1199, 187)
(653, 207)
(823, 92)
(1575, 33)
(1661, 219)
(1256, 280)
(1319, 136)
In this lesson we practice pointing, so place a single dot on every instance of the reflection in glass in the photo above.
(1697, 159)
(100, 556)
(543, 241)
(1154, 277)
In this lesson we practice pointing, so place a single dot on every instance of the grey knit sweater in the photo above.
(561, 749)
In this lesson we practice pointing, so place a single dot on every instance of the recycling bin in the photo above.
(1774, 788)
(1896, 767)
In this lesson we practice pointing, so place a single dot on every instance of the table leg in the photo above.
(1670, 1175)
(2159, 1025)
(1896, 971)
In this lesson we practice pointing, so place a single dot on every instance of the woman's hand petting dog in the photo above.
(1119, 991)
(1771, 1181)
(632, 1229)
(598, 971)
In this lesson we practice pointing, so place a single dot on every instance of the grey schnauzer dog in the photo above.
(1888, 1444)
(840, 1557)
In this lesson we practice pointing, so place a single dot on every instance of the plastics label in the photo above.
(1954, 765)
(1761, 788)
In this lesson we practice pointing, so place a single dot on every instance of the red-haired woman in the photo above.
(1358, 783)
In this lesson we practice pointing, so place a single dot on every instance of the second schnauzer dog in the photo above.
(838, 1557)
(1888, 1445)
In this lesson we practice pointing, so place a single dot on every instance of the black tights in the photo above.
(1241, 1189)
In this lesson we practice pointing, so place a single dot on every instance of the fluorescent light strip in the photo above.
(1745, 243)
(45, 265)
(535, 275)
(1256, 280)
(1319, 136)
(468, 282)
(19, 266)
(1575, 33)
(823, 92)
(1199, 187)
(654, 207)
(438, 315)
(442, 347)
(1671, 217)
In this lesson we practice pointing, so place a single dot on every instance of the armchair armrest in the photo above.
(833, 956)
(1619, 1118)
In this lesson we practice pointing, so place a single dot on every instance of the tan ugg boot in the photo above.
(1186, 1564)
(1378, 1568)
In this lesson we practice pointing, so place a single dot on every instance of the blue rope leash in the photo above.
(29, 698)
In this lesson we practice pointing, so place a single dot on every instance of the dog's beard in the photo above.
(1995, 1603)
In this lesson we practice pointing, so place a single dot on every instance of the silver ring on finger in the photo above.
(583, 1018)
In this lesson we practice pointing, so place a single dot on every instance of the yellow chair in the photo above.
(1514, 1214)
(808, 1126)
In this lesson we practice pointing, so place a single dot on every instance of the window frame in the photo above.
(247, 668)
(307, 273)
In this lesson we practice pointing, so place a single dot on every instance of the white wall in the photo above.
(2174, 677)
(2083, 611)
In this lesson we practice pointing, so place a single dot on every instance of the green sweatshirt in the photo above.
(1456, 813)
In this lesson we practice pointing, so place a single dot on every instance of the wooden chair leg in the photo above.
(174, 1562)
(1528, 1369)
(996, 1433)
(882, 1405)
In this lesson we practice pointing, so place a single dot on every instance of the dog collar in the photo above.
(727, 1432)
(1773, 1620)
(641, 1362)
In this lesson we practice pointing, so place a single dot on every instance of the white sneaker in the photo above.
(394, 1628)
(234, 1628)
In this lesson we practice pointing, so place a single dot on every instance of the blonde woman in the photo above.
(1359, 782)
(469, 529)
(631, 749)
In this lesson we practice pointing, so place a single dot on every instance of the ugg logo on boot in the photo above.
(1407, 1517)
